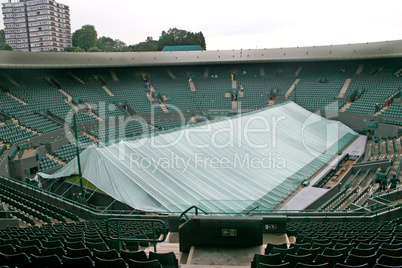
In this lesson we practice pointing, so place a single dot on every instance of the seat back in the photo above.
(266, 259)
(81, 262)
(136, 256)
(144, 264)
(106, 254)
(107, 263)
(46, 261)
(167, 260)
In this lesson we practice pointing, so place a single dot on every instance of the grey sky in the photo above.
(244, 24)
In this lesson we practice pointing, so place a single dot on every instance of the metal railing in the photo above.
(154, 240)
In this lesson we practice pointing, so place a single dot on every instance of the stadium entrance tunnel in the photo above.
(214, 231)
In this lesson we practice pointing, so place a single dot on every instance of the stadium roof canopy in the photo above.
(181, 48)
(230, 165)
(12, 59)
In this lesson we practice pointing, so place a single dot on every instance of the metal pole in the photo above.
(78, 154)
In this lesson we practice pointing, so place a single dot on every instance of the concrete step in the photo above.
(346, 106)
(292, 87)
(344, 87)
(16, 98)
(110, 93)
(192, 86)
(298, 71)
(360, 69)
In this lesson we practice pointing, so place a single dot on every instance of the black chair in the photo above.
(167, 260)
(79, 252)
(312, 251)
(81, 262)
(97, 245)
(270, 246)
(31, 242)
(342, 265)
(7, 249)
(330, 259)
(362, 251)
(12, 241)
(144, 264)
(342, 245)
(353, 259)
(390, 260)
(390, 252)
(296, 246)
(282, 265)
(377, 265)
(136, 256)
(107, 263)
(21, 260)
(106, 254)
(76, 244)
(322, 246)
(303, 265)
(29, 249)
(283, 251)
(266, 259)
(294, 259)
(391, 246)
(335, 251)
(46, 261)
(53, 243)
(367, 245)
(59, 251)
(94, 239)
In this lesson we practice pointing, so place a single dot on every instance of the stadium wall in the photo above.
(358, 121)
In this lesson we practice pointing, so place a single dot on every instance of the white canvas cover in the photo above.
(228, 165)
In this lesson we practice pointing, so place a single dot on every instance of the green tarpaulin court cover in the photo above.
(230, 165)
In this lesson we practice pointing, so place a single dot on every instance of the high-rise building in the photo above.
(37, 25)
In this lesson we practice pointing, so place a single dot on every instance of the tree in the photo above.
(148, 45)
(94, 49)
(3, 44)
(108, 44)
(105, 43)
(178, 37)
(2, 36)
(85, 37)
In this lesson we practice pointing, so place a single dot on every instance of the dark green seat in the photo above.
(266, 259)
(136, 256)
(107, 263)
(167, 260)
(46, 261)
(144, 264)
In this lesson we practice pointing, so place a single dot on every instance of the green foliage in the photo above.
(85, 37)
(108, 44)
(2, 36)
(5, 46)
(178, 37)
(149, 45)
(94, 49)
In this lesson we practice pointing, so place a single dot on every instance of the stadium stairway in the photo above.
(69, 97)
(291, 88)
(360, 69)
(76, 78)
(110, 93)
(298, 71)
(17, 99)
(346, 106)
(262, 71)
(344, 87)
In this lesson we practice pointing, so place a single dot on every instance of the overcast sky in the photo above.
(243, 24)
